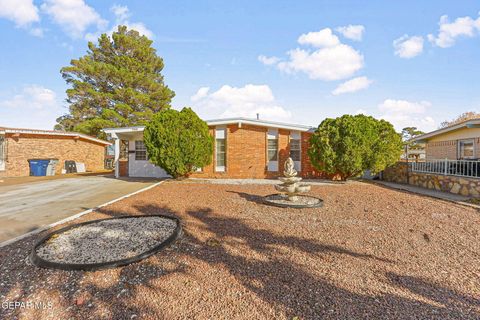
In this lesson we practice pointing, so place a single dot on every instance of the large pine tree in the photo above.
(117, 83)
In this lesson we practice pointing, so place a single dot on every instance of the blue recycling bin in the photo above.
(38, 167)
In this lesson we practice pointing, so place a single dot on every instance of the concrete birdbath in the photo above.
(291, 191)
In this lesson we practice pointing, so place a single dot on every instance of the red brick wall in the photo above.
(247, 154)
(30, 146)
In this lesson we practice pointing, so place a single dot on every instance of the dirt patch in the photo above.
(370, 252)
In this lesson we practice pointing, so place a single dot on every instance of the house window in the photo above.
(220, 149)
(140, 151)
(272, 150)
(466, 149)
(296, 149)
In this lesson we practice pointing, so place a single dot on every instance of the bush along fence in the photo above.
(458, 177)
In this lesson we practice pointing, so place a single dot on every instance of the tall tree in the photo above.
(408, 133)
(349, 145)
(463, 117)
(117, 83)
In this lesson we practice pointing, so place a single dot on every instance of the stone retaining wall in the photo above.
(396, 173)
(464, 186)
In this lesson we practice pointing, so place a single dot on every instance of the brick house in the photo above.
(460, 141)
(17, 146)
(244, 148)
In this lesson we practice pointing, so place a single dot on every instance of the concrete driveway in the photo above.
(26, 207)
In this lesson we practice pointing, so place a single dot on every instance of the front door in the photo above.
(3, 153)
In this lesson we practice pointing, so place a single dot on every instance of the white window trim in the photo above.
(459, 149)
(220, 133)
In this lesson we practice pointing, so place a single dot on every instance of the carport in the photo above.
(131, 158)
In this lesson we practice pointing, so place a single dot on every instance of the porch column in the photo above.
(116, 155)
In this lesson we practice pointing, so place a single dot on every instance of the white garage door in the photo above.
(138, 164)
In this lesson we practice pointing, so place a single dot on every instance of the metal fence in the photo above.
(463, 168)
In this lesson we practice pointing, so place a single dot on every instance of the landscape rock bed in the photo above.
(371, 252)
(105, 243)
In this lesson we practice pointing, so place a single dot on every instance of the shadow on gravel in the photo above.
(80, 294)
(280, 281)
(264, 265)
(449, 298)
(250, 197)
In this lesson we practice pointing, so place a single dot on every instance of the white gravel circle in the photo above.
(107, 241)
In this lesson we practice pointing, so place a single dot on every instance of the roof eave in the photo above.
(466, 124)
(53, 133)
(218, 122)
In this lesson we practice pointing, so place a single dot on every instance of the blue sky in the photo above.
(411, 62)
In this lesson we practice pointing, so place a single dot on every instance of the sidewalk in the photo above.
(426, 192)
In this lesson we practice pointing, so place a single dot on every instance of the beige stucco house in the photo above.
(457, 142)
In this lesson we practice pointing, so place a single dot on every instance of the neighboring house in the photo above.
(17, 146)
(244, 148)
(460, 141)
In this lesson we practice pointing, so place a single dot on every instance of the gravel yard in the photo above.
(369, 253)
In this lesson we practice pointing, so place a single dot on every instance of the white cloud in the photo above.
(403, 113)
(31, 96)
(408, 47)
(332, 63)
(362, 111)
(244, 101)
(122, 15)
(201, 93)
(352, 32)
(449, 31)
(74, 16)
(121, 12)
(353, 85)
(320, 39)
(34, 106)
(331, 60)
(268, 60)
(37, 32)
(22, 12)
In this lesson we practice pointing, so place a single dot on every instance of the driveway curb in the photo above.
(75, 216)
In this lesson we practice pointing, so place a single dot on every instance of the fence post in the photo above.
(446, 167)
